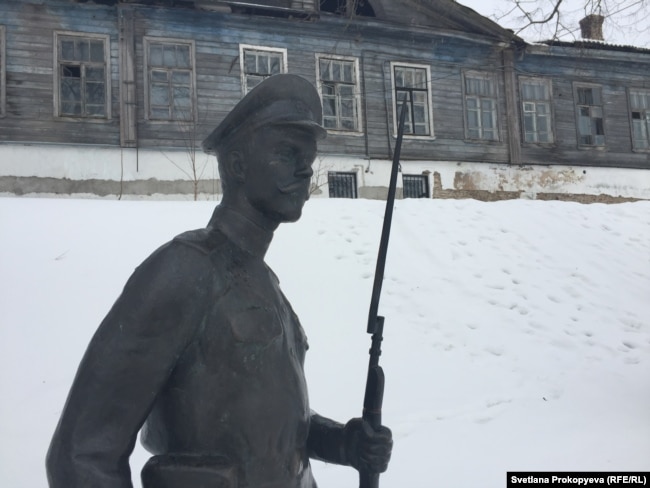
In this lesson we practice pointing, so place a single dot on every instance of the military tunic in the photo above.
(205, 350)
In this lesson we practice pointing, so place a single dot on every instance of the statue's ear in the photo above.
(236, 166)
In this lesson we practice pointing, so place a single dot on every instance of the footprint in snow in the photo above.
(494, 350)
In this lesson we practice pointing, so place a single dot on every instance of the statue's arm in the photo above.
(126, 364)
(326, 440)
(353, 444)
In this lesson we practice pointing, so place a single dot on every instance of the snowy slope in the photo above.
(517, 333)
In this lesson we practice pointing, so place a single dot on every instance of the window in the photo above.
(82, 75)
(640, 111)
(589, 105)
(258, 63)
(536, 110)
(342, 185)
(411, 83)
(3, 93)
(415, 186)
(347, 7)
(481, 106)
(169, 80)
(339, 87)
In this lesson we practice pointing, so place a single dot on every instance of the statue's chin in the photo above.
(289, 216)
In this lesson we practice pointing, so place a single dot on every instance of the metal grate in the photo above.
(342, 185)
(415, 186)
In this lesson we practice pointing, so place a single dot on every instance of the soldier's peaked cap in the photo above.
(284, 99)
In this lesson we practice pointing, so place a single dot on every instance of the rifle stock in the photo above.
(374, 394)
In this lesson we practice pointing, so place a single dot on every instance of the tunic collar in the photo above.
(244, 233)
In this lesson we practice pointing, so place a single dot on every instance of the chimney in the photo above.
(592, 27)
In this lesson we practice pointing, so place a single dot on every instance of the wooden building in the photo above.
(113, 97)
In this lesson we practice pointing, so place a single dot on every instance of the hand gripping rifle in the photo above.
(375, 383)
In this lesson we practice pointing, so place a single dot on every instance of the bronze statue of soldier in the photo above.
(202, 350)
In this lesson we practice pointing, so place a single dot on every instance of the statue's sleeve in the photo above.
(126, 364)
(326, 440)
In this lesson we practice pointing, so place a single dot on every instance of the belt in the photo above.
(188, 471)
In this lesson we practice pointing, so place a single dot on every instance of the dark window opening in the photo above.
(343, 7)
(411, 84)
(415, 186)
(640, 107)
(342, 185)
(82, 81)
(591, 129)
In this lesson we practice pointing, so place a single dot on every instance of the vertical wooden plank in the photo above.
(512, 112)
(3, 72)
(128, 100)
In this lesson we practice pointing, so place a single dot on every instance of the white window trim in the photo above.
(107, 70)
(357, 90)
(484, 75)
(146, 40)
(630, 109)
(549, 85)
(3, 72)
(252, 47)
(426, 67)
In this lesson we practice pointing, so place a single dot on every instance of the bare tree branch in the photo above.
(626, 20)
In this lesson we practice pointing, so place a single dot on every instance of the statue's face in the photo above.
(278, 171)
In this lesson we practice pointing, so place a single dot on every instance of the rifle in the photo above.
(374, 394)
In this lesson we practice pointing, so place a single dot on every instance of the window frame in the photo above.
(3, 71)
(251, 47)
(146, 44)
(645, 92)
(397, 104)
(577, 106)
(357, 91)
(355, 187)
(482, 75)
(106, 39)
(551, 114)
(421, 177)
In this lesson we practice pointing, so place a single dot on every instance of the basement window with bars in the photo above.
(342, 184)
(415, 186)
(481, 106)
(82, 77)
(589, 106)
(258, 63)
(536, 110)
(640, 112)
(169, 79)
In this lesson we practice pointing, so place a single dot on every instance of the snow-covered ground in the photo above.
(517, 333)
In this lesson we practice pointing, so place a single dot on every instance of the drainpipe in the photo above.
(512, 107)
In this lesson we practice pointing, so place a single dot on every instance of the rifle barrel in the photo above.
(385, 231)
(374, 394)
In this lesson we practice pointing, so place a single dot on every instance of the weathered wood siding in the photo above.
(615, 73)
(216, 37)
(30, 69)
